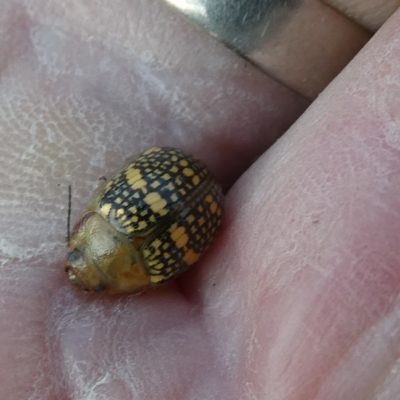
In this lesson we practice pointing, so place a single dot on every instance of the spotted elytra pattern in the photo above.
(168, 208)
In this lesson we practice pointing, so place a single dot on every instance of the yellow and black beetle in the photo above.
(155, 217)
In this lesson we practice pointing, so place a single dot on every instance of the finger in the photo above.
(301, 299)
(371, 14)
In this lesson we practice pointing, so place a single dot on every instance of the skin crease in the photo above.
(297, 300)
(371, 14)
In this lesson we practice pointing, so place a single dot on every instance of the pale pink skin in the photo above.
(299, 297)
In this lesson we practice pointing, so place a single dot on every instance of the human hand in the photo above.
(298, 297)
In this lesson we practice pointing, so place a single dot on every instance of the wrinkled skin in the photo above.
(299, 297)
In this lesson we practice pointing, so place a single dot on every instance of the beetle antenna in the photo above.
(69, 215)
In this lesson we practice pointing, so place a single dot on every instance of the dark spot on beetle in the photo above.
(214, 284)
(117, 240)
(316, 222)
(99, 288)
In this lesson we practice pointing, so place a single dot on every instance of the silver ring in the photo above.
(303, 44)
(241, 24)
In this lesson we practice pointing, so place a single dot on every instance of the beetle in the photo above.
(146, 225)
